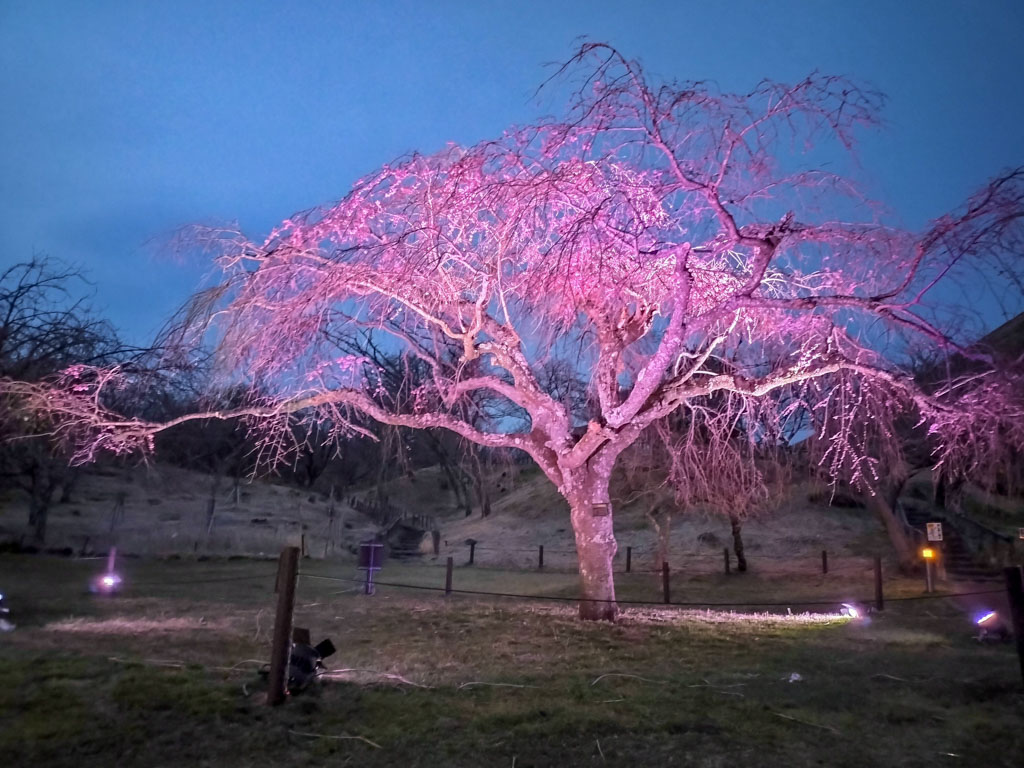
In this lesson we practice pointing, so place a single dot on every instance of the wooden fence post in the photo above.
(665, 583)
(629, 558)
(472, 552)
(879, 597)
(1015, 592)
(725, 554)
(435, 542)
(287, 575)
(448, 576)
(824, 561)
(540, 557)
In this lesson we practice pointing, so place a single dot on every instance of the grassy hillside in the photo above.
(159, 510)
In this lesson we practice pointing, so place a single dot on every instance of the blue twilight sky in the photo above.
(125, 120)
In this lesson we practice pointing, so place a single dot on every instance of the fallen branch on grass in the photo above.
(335, 674)
(805, 722)
(335, 738)
(706, 684)
(150, 662)
(174, 664)
(719, 688)
(495, 685)
(634, 677)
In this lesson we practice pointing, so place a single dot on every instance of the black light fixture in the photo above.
(306, 661)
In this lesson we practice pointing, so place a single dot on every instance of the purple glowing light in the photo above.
(108, 582)
(987, 617)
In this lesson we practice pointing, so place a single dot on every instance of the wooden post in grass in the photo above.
(725, 554)
(824, 561)
(879, 597)
(1015, 592)
(540, 557)
(287, 575)
(435, 542)
(629, 558)
(448, 576)
(472, 552)
(665, 583)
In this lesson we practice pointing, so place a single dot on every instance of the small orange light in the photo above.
(928, 553)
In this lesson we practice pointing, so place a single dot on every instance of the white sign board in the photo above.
(934, 531)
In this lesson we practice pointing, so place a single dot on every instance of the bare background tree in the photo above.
(46, 324)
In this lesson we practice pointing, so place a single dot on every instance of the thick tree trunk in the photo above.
(480, 480)
(949, 495)
(462, 496)
(71, 476)
(737, 542)
(457, 485)
(485, 500)
(41, 485)
(883, 504)
(595, 548)
(663, 534)
(38, 510)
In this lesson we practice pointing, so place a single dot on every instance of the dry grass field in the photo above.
(166, 673)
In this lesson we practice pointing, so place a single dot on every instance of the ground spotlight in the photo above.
(991, 628)
(5, 625)
(852, 610)
(108, 582)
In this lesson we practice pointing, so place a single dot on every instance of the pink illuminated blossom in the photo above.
(664, 241)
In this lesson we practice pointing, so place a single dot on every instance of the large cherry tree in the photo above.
(650, 233)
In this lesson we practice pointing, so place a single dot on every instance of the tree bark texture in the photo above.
(595, 547)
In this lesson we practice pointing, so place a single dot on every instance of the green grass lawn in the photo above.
(165, 674)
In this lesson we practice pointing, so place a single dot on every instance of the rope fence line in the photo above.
(701, 604)
(162, 583)
(647, 549)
